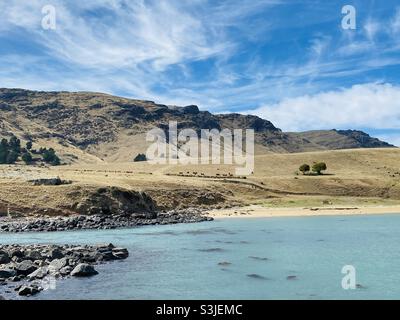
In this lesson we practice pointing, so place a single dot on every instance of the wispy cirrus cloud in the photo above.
(223, 55)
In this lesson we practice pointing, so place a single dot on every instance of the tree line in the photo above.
(11, 151)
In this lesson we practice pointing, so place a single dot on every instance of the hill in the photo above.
(94, 127)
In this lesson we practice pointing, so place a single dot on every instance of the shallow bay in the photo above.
(266, 258)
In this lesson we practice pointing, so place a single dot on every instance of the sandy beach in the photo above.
(257, 211)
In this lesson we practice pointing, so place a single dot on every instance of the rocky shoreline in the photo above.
(26, 270)
(29, 269)
(99, 221)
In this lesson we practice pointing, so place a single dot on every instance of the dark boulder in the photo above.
(4, 257)
(25, 268)
(120, 253)
(33, 255)
(28, 290)
(56, 254)
(7, 273)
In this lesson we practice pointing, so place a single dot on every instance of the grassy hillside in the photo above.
(353, 176)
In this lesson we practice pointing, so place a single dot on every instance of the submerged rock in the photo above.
(224, 263)
(257, 276)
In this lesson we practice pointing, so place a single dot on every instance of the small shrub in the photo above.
(319, 167)
(304, 168)
(140, 157)
(49, 156)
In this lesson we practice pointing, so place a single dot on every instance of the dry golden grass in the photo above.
(355, 175)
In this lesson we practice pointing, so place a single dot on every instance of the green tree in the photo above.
(3, 151)
(15, 144)
(140, 157)
(4, 143)
(304, 168)
(29, 145)
(3, 155)
(27, 158)
(12, 156)
(49, 156)
(319, 167)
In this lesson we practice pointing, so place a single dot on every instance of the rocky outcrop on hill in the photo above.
(340, 139)
(113, 200)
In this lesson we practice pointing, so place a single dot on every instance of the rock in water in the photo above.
(39, 273)
(25, 267)
(28, 290)
(120, 253)
(58, 264)
(7, 273)
(83, 270)
(65, 271)
(32, 264)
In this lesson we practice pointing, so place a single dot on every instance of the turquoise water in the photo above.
(182, 261)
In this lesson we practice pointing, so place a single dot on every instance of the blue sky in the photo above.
(290, 62)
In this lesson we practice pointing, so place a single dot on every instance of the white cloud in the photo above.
(370, 105)
(133, 48)
(395, 23)
(371, 29)
(132, 32)
(154, 33)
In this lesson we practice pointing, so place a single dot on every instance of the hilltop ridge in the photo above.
(96, 127)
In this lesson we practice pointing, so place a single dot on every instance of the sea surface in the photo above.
(243, 258)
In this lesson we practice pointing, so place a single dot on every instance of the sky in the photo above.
(288, 61)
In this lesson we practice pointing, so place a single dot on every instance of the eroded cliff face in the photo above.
(113, 200)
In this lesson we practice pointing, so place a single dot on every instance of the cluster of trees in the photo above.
(140, 157)
(49, 156)
(11, 150)
(317, 168)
